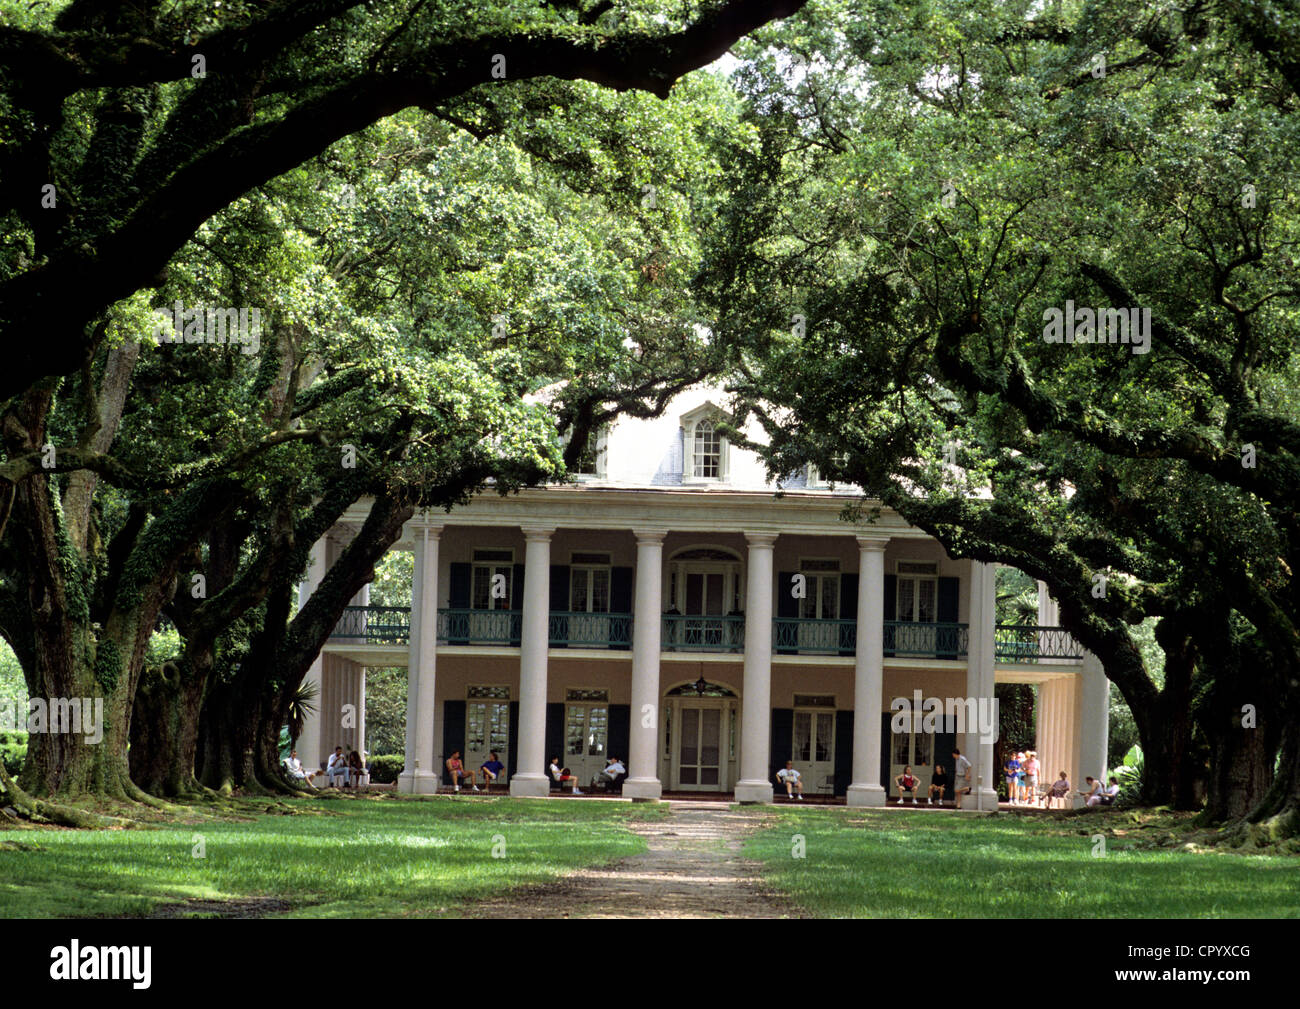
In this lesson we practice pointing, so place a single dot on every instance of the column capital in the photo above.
(874, 544)
(649, 536)
(537, 533)
(761, 540)
(431, 532)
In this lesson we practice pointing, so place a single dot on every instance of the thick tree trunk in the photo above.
(165, 729)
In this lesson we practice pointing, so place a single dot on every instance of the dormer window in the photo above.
(590, 463)
(705, 447)
(708, 451)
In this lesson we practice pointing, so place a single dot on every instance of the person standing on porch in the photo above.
(1031, 778)
(962, 773)
(790, 778)
(1013, 778)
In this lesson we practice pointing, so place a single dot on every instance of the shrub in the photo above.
(13, 751)
(385, 768)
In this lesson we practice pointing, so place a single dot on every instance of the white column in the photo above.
(647, 620)
(422, 773)
(531, 778)
(869, 674)
(406, 780)
(309, 742)
(362, 598)
(756, 708)
(979, 685)
(1093, 716)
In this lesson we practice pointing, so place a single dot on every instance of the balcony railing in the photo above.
(906, 639)
(591, 630)
(1016, 643)
(702, 634)
(805, 636)
(391, 625)
(375, 625)
(479, 627)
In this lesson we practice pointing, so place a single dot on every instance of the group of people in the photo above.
(490, 770)
(614, 772)
(941, 782)
(346, 769)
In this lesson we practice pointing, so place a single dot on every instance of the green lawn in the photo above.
(905, 864)
(366, 857)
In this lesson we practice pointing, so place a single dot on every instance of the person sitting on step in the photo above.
(562, 774)
(456, 769)
(908, 783)
(791, 779)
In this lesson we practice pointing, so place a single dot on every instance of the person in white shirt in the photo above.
(561, 775)
(791, 779)
(338, 767)
(612, 772)
(294, 766)
(961, 776)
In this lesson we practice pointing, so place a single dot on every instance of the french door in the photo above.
(487, 728)
(586, 740)
(814, 746)
(699, 756)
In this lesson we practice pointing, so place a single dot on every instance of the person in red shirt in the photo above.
(907, 782)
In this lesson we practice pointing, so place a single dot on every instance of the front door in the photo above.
(586, 740)
(487, 728)
(699, 749)
(814, 747)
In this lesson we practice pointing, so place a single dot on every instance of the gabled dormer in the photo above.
(705, 451)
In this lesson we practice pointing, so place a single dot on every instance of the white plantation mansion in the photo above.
(670, 610)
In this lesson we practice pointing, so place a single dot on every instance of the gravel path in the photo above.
(693, 869)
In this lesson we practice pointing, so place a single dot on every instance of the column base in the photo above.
(643, 789)
(866, 795)
(752, 792)
(985, 799)
(530, 786)
(418, 783)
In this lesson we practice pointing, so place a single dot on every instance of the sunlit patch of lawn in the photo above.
(378, 857)
(903, 864)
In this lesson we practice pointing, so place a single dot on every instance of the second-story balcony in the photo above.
(691, 633)
(391, 625)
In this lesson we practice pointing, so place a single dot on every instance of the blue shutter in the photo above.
(560, 602)
(512, 741)
(459, 599)
(786, 607)
(516, 603)
(891, 609)
(947, 613)
(620, 601)
(453, 733)
(782, 741)
(848, 611)
(843, 751)
(554, 739)
(620, 733)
